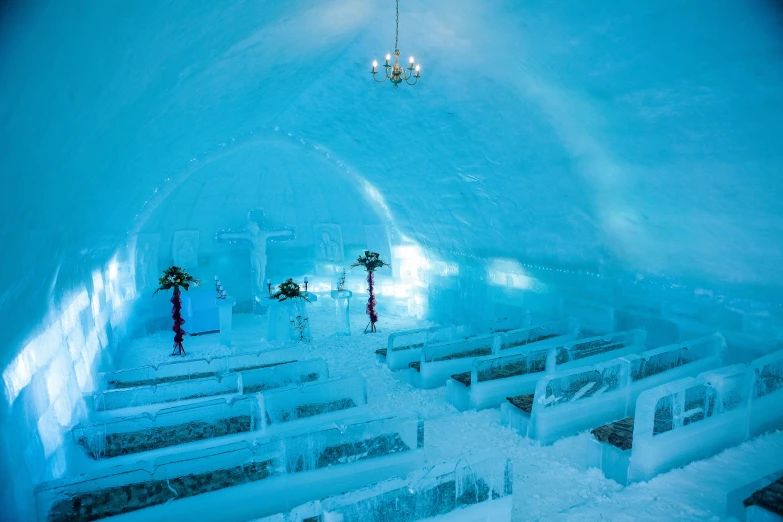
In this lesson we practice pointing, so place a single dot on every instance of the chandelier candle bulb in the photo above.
(418, 67)
(388, 59)
(375, 66)
(412, 60)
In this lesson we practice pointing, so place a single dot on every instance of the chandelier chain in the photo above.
(397, 30)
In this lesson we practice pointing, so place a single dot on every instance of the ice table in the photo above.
(574, 400)
(405, 347)
(198, 368)
(168, 427)
(440, 361)
(492, 379)
(280, 327)
(425, 493)
(200, 311)
(241, 481)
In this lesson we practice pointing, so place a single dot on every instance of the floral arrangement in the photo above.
(288, 289)
(176, 278)
(371, 261)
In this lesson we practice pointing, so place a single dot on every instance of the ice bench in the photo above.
(492, 379)
(690, 419)
(210, 419)
(574, 400)
(439, 361)
(240, 481)
(425, 493)
(198, 368)
(405, 347)
(234, 383)
(766, 504)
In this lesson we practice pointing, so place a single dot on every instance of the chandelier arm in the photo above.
(415, 80)
(379, 81)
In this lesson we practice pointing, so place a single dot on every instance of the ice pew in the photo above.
(425, 493)
(677, 423)
(766, 413)
(294, 407)
(244, 381)
(766, 504)
(173, 391)
(198, 368)
(168, 427)
(217, 482)
(581, 398)
(439, 361)
(494, 379)
(209, 419)
(735, 500)
(405, 347)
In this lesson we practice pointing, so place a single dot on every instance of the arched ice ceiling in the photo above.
(646, 134)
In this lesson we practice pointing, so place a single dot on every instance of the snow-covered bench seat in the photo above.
(405, 347)
(439, 361)
(577, 399)
(683, 421)
(198, 368)
(423, 494)
(241, 481)
(492, 379)
(168, 427)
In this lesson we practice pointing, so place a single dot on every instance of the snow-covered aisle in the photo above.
(551, 483)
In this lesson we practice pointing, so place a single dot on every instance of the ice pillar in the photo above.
(225, 313)
(342, 301)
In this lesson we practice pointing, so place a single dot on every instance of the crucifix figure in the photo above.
(257, 239)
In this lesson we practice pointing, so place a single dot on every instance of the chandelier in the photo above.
(397, 73)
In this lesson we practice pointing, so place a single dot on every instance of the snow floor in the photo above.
(550, 483)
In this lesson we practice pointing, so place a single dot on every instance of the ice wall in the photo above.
(623, 137)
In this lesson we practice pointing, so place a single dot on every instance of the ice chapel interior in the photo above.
(391, 260)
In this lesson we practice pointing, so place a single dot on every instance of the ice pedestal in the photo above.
(225, 312)
(285, 315)
(342, 301)
(199, 311)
